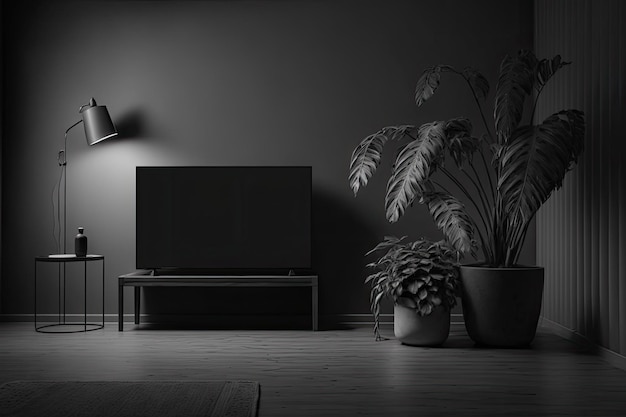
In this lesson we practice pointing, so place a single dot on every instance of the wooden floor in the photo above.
(333, 373)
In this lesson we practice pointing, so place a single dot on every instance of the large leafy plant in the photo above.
(506, 173)
(420, 275)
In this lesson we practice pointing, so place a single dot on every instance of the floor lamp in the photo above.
(98, 127)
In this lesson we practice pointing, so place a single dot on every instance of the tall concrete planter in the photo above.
(501, 306)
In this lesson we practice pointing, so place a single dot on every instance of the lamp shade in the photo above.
(98, 124)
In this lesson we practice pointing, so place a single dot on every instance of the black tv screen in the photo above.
(223, 218)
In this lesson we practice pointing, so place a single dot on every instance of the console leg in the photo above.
(120, 305)
(137, 301)
(314, 311)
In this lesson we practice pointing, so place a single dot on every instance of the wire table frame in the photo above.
(62, 261)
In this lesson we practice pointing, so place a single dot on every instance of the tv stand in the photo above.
(145, 278)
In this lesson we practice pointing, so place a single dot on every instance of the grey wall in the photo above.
(581, 232)
(227, 83)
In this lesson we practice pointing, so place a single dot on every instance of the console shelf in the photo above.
(140, 279)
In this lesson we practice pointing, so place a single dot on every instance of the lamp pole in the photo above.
(62, 158)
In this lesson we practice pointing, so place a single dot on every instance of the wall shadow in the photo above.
(131, 125)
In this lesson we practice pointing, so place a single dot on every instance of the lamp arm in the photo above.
(61, 157)
(62, 160)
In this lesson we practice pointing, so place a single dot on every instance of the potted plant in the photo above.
(504, 175)
(421, 279)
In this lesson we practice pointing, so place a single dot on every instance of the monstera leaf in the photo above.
(479, 83)
(461, 144)
(414, 164)
(515, 82)
(452, 219)
(428, 83)
(535, 162)
(366, 156)
(547, 68)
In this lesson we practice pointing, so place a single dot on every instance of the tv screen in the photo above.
(223, 218)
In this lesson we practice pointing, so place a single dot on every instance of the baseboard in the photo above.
(572, 335)
(51, 318)
(200, 321)
(384, 320)
(328, 321)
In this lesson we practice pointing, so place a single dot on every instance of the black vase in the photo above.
(80, 243)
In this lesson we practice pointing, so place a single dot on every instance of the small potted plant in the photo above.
(421, 279)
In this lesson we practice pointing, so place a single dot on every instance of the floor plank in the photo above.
(333, 373)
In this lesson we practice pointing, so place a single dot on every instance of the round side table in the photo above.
(61, 326)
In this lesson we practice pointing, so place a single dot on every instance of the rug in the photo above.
(129, 398)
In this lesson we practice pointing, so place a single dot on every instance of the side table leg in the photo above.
(137, 301)
(102, 293)
(35, 294)
(85, 298)
(120, 304)
(314, 311)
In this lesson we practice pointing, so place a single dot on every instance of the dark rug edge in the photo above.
(255, 400)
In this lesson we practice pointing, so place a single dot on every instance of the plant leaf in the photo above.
(413, 287)
(425, 309)
(514, 84)
(461, 144)
(366, 156)
(547, 68)
(406, 302)
(535, 162)
(479, 83)
(427, 84)
(374, 277)
(414, 164)
(387, 243)
(376, 296)
(451, 218)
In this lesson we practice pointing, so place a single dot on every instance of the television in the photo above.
(226, 219)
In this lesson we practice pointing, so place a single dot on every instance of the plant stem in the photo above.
(532, 114)
(468, 195)
(516, 243)
(438, 184)
(488, 212)
(488, 172)
(480, 108)
(482, 192)
(461, 186)
(480, 234)
(482, 115)
(482, 199)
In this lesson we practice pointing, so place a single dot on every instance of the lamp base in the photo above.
(62, 255)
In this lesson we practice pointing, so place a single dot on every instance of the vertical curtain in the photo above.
(581, 230)
(1, 131)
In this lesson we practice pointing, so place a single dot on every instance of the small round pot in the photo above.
(412, 329)
(501, 306)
